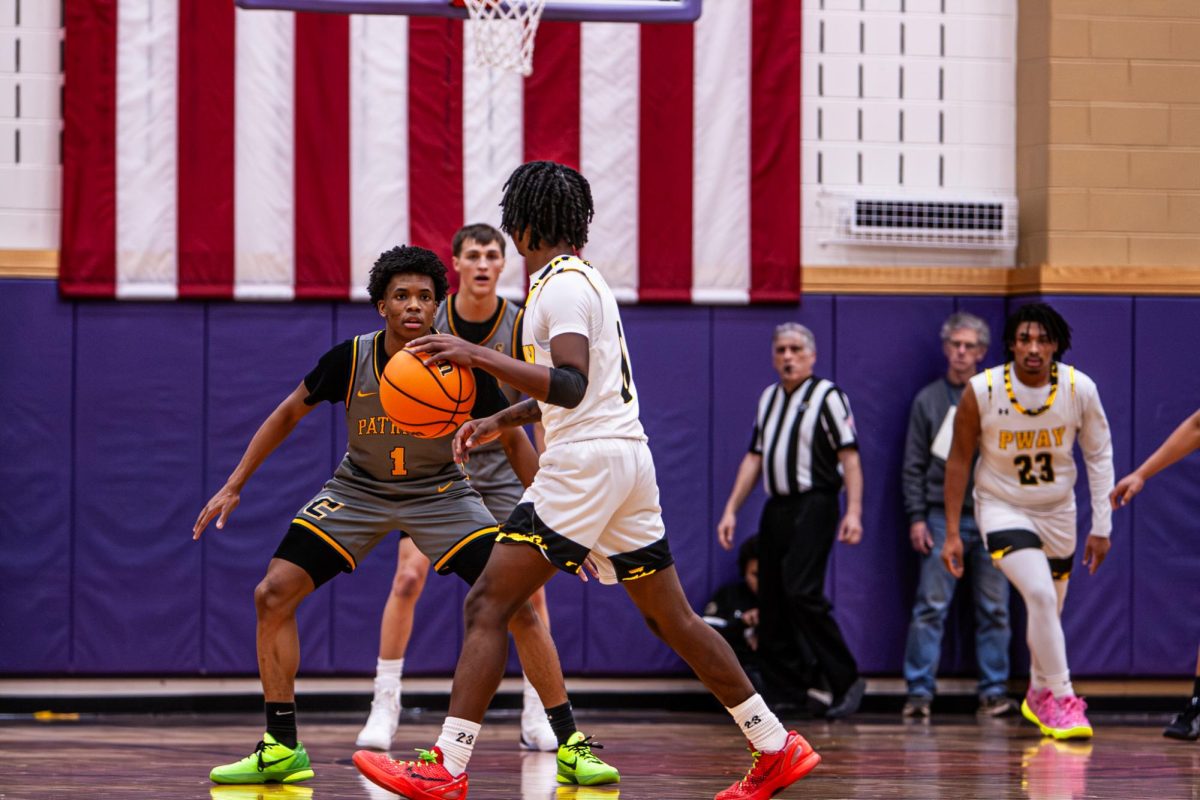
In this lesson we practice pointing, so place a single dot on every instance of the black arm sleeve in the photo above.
(567, 386)
(329, 380)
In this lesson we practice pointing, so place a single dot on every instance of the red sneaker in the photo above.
(772, 772)
(423, 779)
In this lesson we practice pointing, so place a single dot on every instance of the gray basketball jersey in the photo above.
(377, 450)
(501, 338)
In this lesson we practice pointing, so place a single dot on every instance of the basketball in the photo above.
(426, 401)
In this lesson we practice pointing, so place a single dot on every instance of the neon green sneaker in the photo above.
(271, 762)
(577, 764)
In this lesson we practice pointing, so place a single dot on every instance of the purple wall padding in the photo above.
(110, 457)
(139, 416)
(1165, 536)
(669, 355)
(257, 355)
(36, 393)
(1097, 629)
(880, 390)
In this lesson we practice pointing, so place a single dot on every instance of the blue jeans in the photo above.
(934, 593)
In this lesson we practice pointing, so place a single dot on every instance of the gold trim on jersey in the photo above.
(329, 540)
(1012, 398)
(353, 371)
(516, 332)
(375, 356)
(550, 271)
(463, 542)
(454, 330)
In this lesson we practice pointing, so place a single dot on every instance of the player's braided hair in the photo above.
(403, 260)
(552, 200)
(1052, 323)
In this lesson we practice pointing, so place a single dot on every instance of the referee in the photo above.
(805, 446)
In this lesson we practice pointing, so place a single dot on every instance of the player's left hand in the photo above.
(444, 347)
(850, 530)
(1095, 551)
(472, 434)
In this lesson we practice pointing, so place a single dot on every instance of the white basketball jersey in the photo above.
(570, 296)
(1026, 439)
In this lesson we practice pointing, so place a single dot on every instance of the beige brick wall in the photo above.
(1108, 133)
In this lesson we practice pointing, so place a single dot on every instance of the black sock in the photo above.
(281, 723)
(1196, 689)
(562, 722)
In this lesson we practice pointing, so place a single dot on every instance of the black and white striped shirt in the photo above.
(799, 436)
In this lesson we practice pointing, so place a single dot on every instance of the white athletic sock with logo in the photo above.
(759, 724)
(456, 743)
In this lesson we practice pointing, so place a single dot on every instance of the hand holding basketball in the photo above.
(443, 346)
(426, 397)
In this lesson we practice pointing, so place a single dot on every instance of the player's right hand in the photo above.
(725, 530)
(1125, 490)
(222, 503)
(918, 534)
(952, 554)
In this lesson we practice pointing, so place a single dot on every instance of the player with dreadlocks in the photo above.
(594, 497)
(1025, 416)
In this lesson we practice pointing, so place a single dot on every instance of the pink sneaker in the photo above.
(1039, 708)
(1070, 721)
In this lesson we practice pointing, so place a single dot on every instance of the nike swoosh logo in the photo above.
(361, 393)
(571, 764)
(444, 488)
(276, 761)
(283, 713)
(412, 774)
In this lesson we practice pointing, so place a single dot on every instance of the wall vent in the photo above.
(969, 223)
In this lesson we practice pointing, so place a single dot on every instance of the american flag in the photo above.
(214, 152)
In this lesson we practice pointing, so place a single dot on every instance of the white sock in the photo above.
(759, 724)
(529, 696)
(456, 743)
(389, 670)
(1060, 685)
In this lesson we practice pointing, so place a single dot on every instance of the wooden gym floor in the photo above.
(662, 756)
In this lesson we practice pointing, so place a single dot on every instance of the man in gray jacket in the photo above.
(965, 339)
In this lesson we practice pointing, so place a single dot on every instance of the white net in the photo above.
(503, 32)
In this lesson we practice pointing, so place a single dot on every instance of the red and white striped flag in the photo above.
(213, 152)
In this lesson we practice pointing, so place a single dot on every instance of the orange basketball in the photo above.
(427, 402)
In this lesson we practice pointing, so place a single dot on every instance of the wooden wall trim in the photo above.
(1181, 281)
(28, 263)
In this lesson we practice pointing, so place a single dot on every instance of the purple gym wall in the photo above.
(120, 420)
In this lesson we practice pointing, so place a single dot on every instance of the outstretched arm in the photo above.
(270, 435)
(742, 484)
(1182, 441)
(962, 449)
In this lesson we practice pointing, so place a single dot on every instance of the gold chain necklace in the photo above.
(1012, 398)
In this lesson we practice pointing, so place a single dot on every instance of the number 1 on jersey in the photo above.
(398, 461)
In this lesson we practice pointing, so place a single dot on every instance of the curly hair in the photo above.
(551, 200)
(1056, 328)
(407, 260)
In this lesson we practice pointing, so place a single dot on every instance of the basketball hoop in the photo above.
(503, 32)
